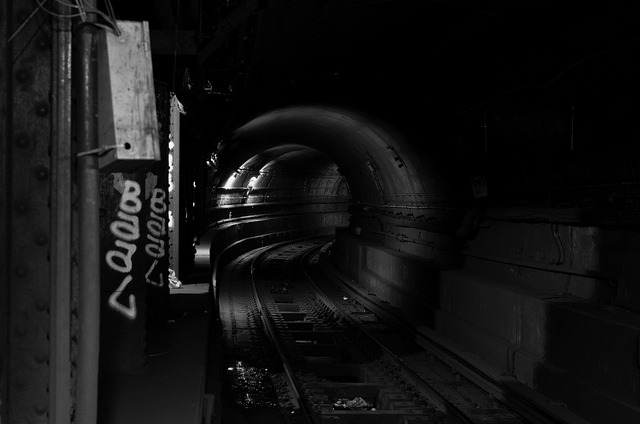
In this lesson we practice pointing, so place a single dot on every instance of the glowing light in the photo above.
(230, 181)
(170, 170)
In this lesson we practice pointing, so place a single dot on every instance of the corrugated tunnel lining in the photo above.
(379, 165)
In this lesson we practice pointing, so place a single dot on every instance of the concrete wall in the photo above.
(533, 300)
(231, 239)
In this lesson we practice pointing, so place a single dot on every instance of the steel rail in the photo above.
(409, 374)
(273, 335)
(534, 411)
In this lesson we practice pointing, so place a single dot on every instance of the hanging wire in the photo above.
(110, 16)
(83, 12)
(26, 21)
(64, 3)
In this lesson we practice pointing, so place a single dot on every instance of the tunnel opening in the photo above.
(325, 155)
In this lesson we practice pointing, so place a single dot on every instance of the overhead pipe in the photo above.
(88, 178)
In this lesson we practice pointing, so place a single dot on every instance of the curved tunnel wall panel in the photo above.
(221, 214)
(377, 162)
(265, 228)
(547, 328)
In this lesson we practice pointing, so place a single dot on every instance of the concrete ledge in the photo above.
(170, 387)
(585, 398)
(517, 314)
(576, 352)
(593, 350)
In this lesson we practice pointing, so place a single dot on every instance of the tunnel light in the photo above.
(170, 167)
(230, 181)
(251, 182)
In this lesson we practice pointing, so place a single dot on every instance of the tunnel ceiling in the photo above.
(389, 55)
(378, 164)
(289, 159)
(462, 52)
(515, 81)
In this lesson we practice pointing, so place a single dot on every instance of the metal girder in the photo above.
(26, 192)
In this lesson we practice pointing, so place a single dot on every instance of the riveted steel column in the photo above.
(26, 191)
(4, 210)
(85, 76)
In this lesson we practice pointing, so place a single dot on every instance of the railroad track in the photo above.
(334, 356)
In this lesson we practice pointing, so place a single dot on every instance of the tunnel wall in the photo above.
(230, 239)
(527, 298)
(227, 213)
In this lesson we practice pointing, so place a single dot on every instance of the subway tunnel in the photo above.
(465, 168)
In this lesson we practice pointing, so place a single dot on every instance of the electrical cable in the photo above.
(26, 21)
(67, 4)
(110, 17)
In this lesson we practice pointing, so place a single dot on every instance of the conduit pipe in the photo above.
(61, 224)
(88, 177)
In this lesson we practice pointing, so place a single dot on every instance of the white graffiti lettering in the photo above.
(155, 250)
(127, 227)
(128, 311)
(157, 228)
(125, 257)
(149, 281)
(127, 230)
(157, 201)
(130, 202)
(156, 225)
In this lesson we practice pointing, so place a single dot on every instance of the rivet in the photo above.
(23, 76)
(21, 206)
(41, 238)
(22, 16)
(41, 305)
(21, 383)
(42, 173)
(41, 357)
(19, 332)
(21, 271)
(43, 43)
(42, 109)
(22, 141)
(41, 408)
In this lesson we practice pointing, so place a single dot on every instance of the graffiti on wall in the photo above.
(156, 227)
(126, 229)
